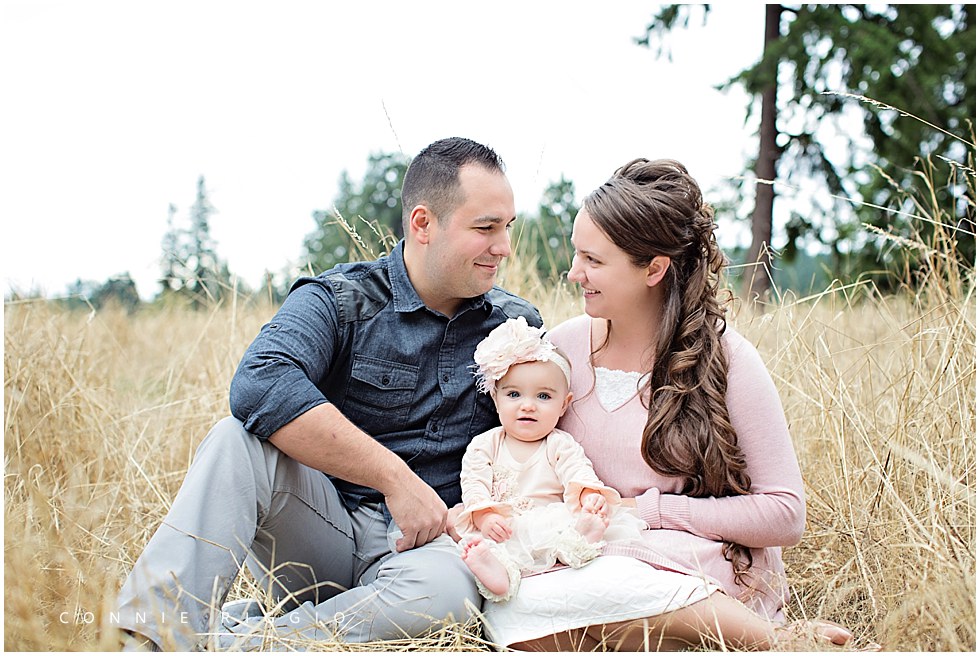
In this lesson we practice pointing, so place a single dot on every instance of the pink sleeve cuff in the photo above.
(675, 512)
(648, 507)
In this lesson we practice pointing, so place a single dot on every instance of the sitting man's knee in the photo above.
(437, 577)
(227, 436)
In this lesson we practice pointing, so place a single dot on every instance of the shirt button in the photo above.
(385, 380)
(445, 378)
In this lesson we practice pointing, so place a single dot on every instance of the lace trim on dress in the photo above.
(615, 387)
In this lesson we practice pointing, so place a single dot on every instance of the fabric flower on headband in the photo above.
(510, 343)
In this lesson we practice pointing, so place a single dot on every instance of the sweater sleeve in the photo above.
(774, 513)
(476, 480)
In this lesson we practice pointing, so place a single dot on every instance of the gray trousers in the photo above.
(334, 571)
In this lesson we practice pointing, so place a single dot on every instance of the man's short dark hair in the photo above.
(432, 178)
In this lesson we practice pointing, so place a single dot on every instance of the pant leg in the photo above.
(400, 594)
(236, 487)
(291, 563)
(242, 493)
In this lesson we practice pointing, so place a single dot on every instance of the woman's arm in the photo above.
(774, 513)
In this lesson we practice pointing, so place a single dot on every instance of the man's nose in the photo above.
(501, 245)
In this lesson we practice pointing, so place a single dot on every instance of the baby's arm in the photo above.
(476, 480)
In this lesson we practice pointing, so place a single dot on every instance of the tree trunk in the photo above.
(757, 274)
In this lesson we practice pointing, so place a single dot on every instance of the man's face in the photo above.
(467, 246)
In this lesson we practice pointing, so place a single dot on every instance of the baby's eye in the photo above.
(512, 394)
(544, 396)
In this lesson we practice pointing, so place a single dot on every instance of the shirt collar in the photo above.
(404, 296)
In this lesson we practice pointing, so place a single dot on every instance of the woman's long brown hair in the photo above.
(650, 208)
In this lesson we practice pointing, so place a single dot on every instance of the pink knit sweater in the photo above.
(687, 534)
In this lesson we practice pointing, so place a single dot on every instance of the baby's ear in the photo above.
(564, 406)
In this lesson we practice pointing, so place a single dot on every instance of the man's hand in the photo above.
(495, 526)
(418, 511)
(323, 438)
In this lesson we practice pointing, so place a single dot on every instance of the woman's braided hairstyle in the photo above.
(650, 208)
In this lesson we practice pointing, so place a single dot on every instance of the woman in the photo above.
(678, 413)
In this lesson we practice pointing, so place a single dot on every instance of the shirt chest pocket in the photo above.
(380, 389)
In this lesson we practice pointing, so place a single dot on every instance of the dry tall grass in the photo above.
(103, 413)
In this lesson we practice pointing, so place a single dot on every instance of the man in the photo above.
(352, 409)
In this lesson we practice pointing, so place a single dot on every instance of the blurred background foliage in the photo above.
(855, 104)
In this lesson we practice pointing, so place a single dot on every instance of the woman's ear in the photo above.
(418, 224)
(657, 269)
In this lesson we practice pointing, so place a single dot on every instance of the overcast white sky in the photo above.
(111, 111)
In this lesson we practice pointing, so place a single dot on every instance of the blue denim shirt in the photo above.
(360, 337)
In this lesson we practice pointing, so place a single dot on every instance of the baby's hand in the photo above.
(495, 527)
(595, 503)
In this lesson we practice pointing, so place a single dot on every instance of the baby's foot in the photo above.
(486, 567)
(591, 526)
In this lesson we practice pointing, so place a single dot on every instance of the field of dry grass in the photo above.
(103, 411)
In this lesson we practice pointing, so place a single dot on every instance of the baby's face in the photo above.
(530, 399)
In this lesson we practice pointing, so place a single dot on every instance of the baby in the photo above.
(530, 495)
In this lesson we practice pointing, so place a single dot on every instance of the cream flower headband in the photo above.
(510, 343)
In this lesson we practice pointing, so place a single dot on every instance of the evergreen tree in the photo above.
(920, 59)
(118, 290)
(374, 201)
(549, 233)
(204, 284)
(192, 270)
(173, 259)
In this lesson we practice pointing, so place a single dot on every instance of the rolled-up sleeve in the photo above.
(277, 378)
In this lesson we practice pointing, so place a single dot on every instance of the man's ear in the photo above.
(657, 269)
(419, 222)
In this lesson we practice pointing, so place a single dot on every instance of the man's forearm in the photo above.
(324, 439)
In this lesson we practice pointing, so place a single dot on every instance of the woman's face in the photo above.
(612, 285)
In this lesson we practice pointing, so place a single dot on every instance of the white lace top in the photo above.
(615, 387)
